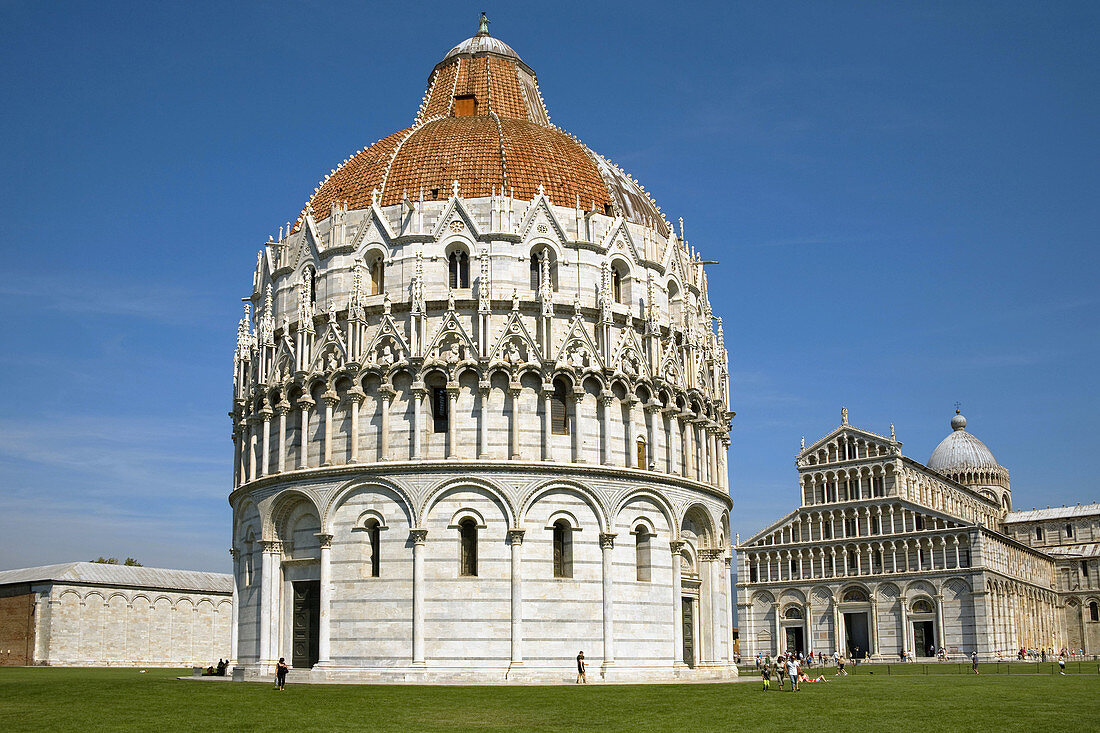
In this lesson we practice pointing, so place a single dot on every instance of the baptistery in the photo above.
(481, 412)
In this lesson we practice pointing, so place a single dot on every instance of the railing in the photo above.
(1089, 664)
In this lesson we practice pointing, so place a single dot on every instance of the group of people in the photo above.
(219, 671)
(790, 666)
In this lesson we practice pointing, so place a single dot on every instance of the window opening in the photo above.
(616, 285)
(374, 537)
(467, 531)
(563, 549)
(535, 272)
(1094, 611)
(459, 269)
(1038, 533)
(377, 276)
(559, 423)
(642, 553)
(1069, 530)
(642, 454)
(440, 406)
(465, 105)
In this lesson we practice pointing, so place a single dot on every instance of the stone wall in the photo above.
(103, 626)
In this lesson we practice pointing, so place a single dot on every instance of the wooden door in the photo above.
(689, 631)
(307, 623)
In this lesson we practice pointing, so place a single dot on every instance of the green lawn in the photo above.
(122, 699)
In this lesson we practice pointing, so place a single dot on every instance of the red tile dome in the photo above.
(483, 124)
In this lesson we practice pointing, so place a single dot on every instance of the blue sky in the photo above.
(904, 201)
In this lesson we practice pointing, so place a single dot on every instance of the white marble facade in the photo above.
(885, 554)
(516, 418)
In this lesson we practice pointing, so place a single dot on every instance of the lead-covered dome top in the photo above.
(483, 124)
(964, 458)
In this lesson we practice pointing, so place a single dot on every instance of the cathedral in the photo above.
(481, 412)
(886, 555)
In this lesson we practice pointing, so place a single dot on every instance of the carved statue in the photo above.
(512, 355)
(386, 357)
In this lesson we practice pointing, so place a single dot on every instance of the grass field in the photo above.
(41, 699)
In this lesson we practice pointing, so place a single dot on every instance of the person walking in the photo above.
(780, 669)
(1062, 664)
(792, 672)
(766, 676)
(582, 677)
(974, 661)
(280, 674)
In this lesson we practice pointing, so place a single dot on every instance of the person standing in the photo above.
(1062, 664)
(280, 674)
(766, 676)
(974, 661)
(792, 672)
(582, 677)
(780, 669)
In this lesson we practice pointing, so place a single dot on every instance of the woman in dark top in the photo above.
(280, 673)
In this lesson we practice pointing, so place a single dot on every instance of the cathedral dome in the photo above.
(966, 459)
(483, 126)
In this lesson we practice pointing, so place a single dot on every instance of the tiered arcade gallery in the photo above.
(481, 412)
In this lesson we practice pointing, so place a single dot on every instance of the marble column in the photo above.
(607, 547)
(940, 636)
(418, 537)
(606, 399)
(452, 421)
(325, 613)
(233, 638)
(483, 424)
(265, 445)
(385, 404)
(651, 412)
(676, 546)
(547, 427)
(727, 593)
(417, 426)
(282, 409)
(355, 399)
(874, 625)
(577, 439)
(905, 630)
(514, 391)
(331, 399)
(778, 630)
(515, 539)
(305, 403)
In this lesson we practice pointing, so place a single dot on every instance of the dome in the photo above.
(964, 458)
(483, 124)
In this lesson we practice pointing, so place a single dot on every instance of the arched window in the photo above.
(1039, 533)
(1094, 611)
(377, 276)
(642, 553)
(459, 266)
(617, 285)
(440, 410)
(374, 537)
(675, 305)
(922, 606)
(467, 559)
(535, 274)
(559, 420)
(642, 458)
(563, 549)
(854, 595)
(793, 613)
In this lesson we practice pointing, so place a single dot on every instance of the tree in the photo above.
(131, 562)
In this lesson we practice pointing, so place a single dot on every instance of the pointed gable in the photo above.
(451, 343)
(387, 346)
(540, 221)
(578, 349)
(456, 211)
(514, 345)
(619, 241)
(629, 357)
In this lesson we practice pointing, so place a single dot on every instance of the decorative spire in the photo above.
(483, 25)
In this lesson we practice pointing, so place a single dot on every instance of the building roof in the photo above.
(95, 573)
(961, 453)
(1090, 549)
(1058, 512)
(483, 124)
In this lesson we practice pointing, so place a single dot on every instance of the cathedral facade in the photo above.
(886, 555)
(481, 412)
